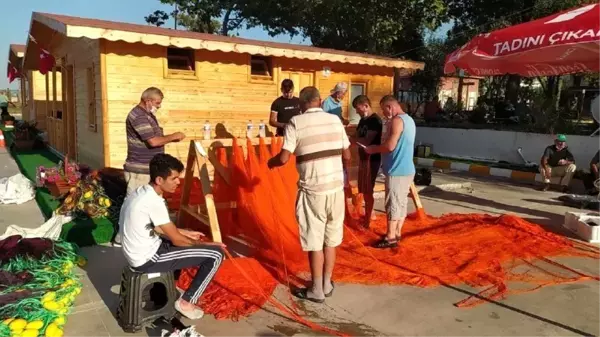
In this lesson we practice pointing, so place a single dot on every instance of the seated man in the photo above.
(589, 179)
(558, 161)
(144, 219)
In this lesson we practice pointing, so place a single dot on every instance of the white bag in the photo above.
(16, 190)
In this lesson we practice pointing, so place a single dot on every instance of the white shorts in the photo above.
(135, 180)
(321, 220)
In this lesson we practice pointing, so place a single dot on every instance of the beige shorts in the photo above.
(321, 220)
(135, 180)
(396, 196)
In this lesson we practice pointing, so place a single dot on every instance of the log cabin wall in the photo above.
(79, 131)
(226, 89)
(33, 91)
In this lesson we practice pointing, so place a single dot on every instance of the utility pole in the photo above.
(175, 15)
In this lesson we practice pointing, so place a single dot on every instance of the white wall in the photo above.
(502, 145)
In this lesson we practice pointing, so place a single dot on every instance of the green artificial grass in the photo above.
(81, 231)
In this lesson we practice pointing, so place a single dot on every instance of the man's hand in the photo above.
(192, 234)
(370, 149)
(178, 136)
(562, 162)
(217, 244)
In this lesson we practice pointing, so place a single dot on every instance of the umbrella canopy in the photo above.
(563, 43)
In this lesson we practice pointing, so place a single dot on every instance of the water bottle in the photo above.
(261, 129)
(207, 130)
(249, 129)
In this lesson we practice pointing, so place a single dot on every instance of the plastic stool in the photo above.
(143, 298)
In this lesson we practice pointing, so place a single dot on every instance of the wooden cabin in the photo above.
(226, 81)
(33, 87)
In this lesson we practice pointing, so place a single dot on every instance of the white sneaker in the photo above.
(117, 241)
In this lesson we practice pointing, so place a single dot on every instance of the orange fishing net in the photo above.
(482, 251)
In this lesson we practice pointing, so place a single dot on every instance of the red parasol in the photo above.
(563, 43)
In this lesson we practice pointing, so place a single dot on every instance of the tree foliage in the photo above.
(426, 82)
(204, 16)
(381, 27)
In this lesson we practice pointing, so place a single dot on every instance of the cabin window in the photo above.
(261, 67)
(356, 89)
(181, 59)
(91, 98)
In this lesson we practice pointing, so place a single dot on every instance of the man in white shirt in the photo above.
(319, 141)
(144, 219)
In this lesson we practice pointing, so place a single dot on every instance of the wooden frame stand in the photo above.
(198, 157)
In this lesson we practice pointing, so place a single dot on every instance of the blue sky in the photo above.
(14, 24)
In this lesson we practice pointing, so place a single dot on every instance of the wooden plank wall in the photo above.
(83, 53)
(222, 92)
(34, 109)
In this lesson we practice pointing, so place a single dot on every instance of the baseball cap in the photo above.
(561, 138)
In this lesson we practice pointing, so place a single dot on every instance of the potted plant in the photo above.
(25, 135)
(60, 179)
(87, 197)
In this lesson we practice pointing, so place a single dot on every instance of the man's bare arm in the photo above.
(390, 143)
(171, 232)
(273, 121)
(280, 159)
(164, 140)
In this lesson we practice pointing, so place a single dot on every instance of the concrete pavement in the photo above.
(26, 215)
(571, 309)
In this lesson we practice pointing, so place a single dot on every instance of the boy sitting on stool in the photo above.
(144, 219)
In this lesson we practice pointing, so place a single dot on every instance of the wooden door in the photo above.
(300, 79)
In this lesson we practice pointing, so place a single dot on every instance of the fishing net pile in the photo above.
(37, 286)
(498, 255)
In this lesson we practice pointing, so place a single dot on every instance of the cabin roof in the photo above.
(16, 52)
(77, 27)
(18, 49)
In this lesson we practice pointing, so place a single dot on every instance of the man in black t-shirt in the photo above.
(558, 161)
(284, 107)
(368, 132)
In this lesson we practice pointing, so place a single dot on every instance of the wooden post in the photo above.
(197, 157)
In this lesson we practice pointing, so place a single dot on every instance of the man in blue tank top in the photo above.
(397, 148)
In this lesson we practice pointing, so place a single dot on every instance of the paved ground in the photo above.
(571, 309)
(25, 215)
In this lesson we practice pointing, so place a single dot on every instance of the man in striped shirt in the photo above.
(319, 141)
(145, 139)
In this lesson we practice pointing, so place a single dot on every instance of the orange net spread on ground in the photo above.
(482, 251)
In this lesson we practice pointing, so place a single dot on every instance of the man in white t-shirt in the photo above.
(152, 243)
(322, 149)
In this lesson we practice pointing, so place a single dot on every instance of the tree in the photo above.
(204, 16)
(426, 82)
(382, 27)
(158, 18)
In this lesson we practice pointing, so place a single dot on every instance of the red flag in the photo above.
(47, 61)
(12, 73)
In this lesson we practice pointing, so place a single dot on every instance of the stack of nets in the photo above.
(482, 251)
(38, 287)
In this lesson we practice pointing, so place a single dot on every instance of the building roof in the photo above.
(18, 49)
(16, 52)
(77, 27)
